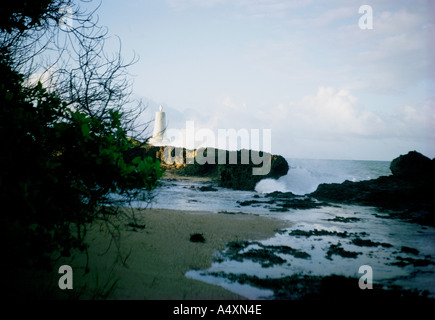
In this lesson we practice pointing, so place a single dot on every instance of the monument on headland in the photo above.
(158, 137)
(238, 169)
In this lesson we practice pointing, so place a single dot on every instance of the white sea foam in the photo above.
(304, 176)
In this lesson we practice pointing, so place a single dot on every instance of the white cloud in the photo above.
(329, 114)
(330, 123)
(328, 16)
(255, 7)
(185, 4)
(46, 77)
(306, 70)
(392, 56)
(414, 121)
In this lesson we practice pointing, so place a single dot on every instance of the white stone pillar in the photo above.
(159, 127)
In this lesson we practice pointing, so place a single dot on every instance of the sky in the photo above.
(326, 88)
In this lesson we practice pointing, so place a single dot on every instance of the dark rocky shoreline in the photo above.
(409, 193)
(333, 288)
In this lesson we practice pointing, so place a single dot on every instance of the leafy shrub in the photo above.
(59, 162)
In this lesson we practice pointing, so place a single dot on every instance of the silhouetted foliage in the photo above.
(63, 145)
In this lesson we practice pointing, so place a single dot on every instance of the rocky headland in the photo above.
(233, 174)
(409, 192)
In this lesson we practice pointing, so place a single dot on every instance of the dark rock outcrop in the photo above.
(413, 165)
(238, 175)
(410, 190)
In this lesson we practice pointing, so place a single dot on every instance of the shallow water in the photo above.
(369, 227)
(387, 236)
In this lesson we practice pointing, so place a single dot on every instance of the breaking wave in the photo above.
(304, 176)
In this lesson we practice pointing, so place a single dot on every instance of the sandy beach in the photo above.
(158, 253)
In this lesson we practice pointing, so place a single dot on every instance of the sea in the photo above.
(398, 253)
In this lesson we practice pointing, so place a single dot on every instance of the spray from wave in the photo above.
(304, 176)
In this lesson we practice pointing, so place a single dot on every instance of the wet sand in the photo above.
(158, 252)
